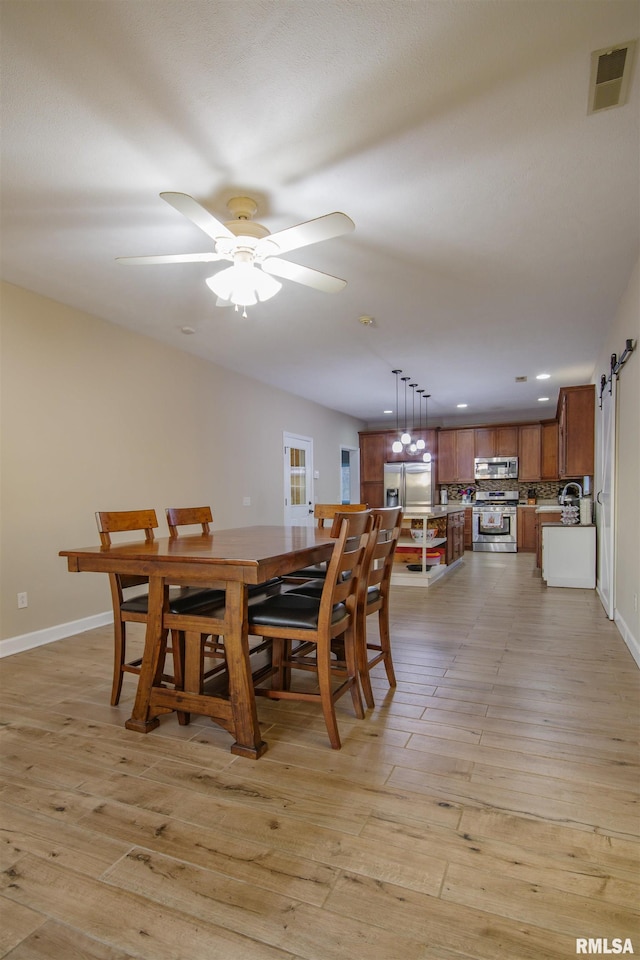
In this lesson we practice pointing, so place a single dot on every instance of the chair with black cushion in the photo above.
(134, 609)
(373, 597)
(322, 512)
(301, 630)
(211, 646)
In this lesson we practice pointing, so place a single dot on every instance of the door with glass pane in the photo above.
(298, 481)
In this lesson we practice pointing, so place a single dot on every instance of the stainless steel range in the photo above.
(495, 521)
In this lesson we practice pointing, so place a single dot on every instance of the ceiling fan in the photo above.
(252, 250)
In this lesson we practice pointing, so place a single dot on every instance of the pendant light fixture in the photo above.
(413, 447)
(420, 444)
(426, 456)
(396, 446)
(406, 436)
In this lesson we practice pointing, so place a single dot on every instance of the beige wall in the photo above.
(94, 417)
(627, 511)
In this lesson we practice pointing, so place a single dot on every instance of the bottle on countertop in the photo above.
(444, 497)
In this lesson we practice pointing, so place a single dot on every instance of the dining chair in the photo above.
(301, 629)
(321, 513)
(374, 598)
(211, 647)
(134, 609)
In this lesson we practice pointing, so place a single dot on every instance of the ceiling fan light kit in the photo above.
(253, 251)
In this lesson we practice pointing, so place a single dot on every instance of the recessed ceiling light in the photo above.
(387, 411)
(542, 399)
(460, 405)
(187, 329)
(543, 376)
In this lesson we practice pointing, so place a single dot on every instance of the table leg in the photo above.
(154, 646)
(249, 742)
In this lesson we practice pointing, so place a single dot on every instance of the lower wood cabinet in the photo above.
(468, 529)
(455, 536)
(527, 529)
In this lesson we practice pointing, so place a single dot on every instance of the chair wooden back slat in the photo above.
(327, 511)
(187, 516)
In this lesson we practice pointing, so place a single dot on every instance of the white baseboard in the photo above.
(632, 642)
(27, 641)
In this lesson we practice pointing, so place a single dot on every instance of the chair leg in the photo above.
(119, 649)
(385, 643)
(363, 662)
(326, 698)
(351, 662)
(177, 655)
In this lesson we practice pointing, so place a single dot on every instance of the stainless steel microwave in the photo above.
(496, 468)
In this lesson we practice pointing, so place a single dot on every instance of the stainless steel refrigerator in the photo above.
(407, 485)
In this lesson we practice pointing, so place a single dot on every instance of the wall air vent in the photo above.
(610, 73)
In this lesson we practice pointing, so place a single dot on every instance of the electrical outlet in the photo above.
(635, 602)
(22, 601)
(246, 501)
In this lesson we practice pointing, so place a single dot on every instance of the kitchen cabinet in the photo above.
(456, 452)
(576, 419)
(372, 460)
(527, 529)
(468, 528)
(549, 450)
(455, 536)
(529, 452)
(496, 441)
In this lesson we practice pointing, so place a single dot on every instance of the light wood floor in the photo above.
(485, 810)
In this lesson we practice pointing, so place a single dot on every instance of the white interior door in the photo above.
(605, 498)
(298, 481)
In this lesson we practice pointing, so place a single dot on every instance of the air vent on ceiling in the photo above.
(610, 73)
(520, 379)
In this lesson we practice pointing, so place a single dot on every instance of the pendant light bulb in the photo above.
(396, 446)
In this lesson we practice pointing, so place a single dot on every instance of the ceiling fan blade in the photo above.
(192, 210)
(173, 258)
(312, 231)
(311, 278)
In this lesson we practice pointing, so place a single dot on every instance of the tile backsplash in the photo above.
(544, 489)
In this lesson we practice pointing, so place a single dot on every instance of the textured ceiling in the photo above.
(496, 222)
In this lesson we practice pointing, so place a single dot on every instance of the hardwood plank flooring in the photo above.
(485, 809)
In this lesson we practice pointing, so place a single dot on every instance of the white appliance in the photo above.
(569, 555)
(496, 468)
(407, 485)
(495, 521)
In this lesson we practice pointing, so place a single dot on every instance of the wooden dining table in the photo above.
(235, 560)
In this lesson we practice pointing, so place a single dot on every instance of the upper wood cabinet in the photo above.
(456, 452)
(530, 452)
(496, 441)
(576, 421)
(549, 445)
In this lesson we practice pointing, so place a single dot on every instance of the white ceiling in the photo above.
(496, 222)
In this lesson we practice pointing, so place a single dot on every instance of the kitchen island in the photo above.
(422, 558)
